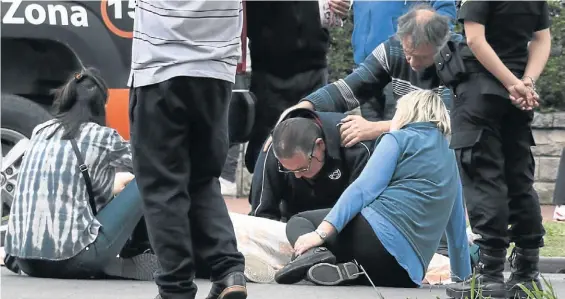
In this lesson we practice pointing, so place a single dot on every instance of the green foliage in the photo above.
(551, 85)
(340, 57)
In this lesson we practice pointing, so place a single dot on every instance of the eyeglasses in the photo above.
(302, 169)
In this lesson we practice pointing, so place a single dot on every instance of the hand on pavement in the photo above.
(355, 128)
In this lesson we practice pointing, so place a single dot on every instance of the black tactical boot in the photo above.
(488, 280)
(525, 272)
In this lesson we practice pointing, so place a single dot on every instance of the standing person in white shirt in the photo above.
(184, 59)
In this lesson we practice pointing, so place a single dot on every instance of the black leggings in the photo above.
(356, 241)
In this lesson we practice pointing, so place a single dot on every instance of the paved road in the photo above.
(23, 287)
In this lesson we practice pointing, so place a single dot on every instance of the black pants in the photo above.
(357, 241)
(559, 192)
(180, 141)
(492, 141)
(274, 95)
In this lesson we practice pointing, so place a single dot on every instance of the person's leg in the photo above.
(359, 242)
(118, 219)
(559, 192)
(213, 233)
(227, 178)
(476, 124)
(298, 225)
(160, 140)
(526, 229)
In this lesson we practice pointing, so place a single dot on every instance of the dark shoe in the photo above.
(296, 270)
(331, 275)
(488, 280)
(231, 287)
(11, 264)
(525, 272)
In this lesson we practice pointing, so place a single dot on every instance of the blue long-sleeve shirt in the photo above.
(410, 224)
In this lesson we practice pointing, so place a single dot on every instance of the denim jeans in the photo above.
(118, 219)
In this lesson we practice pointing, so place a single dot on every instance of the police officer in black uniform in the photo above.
(507, 46)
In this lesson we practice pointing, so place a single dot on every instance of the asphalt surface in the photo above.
(22, 287)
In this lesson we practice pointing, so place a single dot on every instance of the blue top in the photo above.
(376, 21)
(410, 193)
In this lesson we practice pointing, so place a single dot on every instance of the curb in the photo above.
(547, 265)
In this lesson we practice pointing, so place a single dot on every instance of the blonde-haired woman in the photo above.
(391, 219)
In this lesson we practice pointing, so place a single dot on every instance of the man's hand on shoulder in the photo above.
(355, 129)
(300, 105)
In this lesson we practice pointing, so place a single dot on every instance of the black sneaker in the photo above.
(331, 275)
(296, 270)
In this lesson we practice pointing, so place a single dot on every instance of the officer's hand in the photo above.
(355, 128)
(523, 96)
(300, 105)
(340, 7)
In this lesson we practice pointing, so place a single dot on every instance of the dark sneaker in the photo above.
(231, 287)
(331, 275)
(296, 270)
(525, 273)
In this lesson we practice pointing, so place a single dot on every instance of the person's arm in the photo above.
(540, 47)
(457, 243)
(346, 94)
(266, 187)
(474, 15)
(448, 9)
(120, 152)
(372, 181)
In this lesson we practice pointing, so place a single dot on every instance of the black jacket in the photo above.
(286, 37)
(279, 196)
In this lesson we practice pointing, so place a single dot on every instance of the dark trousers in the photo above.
(559, 192)
(274, 95)
(180, 141)
(118, 219)
(357, 241)
(492, 141)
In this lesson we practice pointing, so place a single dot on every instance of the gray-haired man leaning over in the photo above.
(406, 60)
(184, 59)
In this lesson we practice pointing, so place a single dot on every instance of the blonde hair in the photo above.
(423, 106)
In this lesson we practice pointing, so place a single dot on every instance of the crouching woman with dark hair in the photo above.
(391, 218)
(72, 214)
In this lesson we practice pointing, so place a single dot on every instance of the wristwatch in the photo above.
(323, 235)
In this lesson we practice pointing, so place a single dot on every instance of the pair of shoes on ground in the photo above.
(231, 287)
(318, 265)
(489, 280)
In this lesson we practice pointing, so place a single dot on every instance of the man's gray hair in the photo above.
(433, 30)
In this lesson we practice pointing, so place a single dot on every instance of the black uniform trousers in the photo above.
(179, 137)
(274, 95)
(492, 141)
